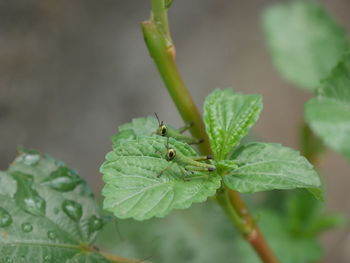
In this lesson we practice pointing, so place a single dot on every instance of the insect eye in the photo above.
(163, 130)
(171, 154)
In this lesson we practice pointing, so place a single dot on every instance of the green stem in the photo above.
(163, 55)
(160, 16)
(157, 36)
(311, 146)
(224, 201)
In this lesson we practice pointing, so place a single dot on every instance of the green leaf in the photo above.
(327, 222)
(288, 247)
(225, 165)
(329, 113)
(306, 217)
(267, 166)
(201, 234)
(228, 116)
(304, 41)
(46, 212)
(141, 183)
(137, 127)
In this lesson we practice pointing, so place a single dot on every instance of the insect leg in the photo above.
(193, 140)
(202, 158)
(193, 176)
(209, 168)
(186, 127)
(163, 170)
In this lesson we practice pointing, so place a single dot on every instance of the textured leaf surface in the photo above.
(137, 127)
(228, 117)
(304, 41)
(141, 183)
(288, 247)
(267, 166)
(46, 213)
(329, 113)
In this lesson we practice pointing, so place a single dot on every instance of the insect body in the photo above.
(191, 164)
(168, 131)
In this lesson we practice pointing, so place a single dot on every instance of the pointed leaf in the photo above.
(267, 166)
(138, 127)
(304, 41)
(43, 219)
(228, 116)
(141, 183)
(329, 113)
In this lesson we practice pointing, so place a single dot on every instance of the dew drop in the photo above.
(27, 227)
(51, 235)
(5, 218)
(62, 179)
(26, 197)
(47, 258)
(34, 205)
(95, 223)
(31, 159)
(72, 209)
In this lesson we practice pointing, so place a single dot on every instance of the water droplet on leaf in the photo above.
(34, 205)
(31, 159)
(5, 218)
(62, 179)
(72, 209)
(47, 258)
(27, 227)
(52, 235)
(95, 223)
(26, 197)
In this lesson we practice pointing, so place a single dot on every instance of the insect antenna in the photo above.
(159, 122)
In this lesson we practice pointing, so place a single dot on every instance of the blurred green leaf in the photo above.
(141, 183)
(329, 113)
(307, 217)
(228, 116)
(46, 212)
(304, 41)
(201, 234)
(267, 166)
(288, 247)
(327, 222)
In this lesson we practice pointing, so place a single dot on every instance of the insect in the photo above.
(167, 131)
(191, 164)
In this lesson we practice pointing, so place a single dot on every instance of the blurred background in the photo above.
(72, 71)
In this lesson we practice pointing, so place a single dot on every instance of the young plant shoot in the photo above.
(168, 131)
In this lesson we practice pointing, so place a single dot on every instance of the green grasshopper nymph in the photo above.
(191, 164)
(167, 131)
